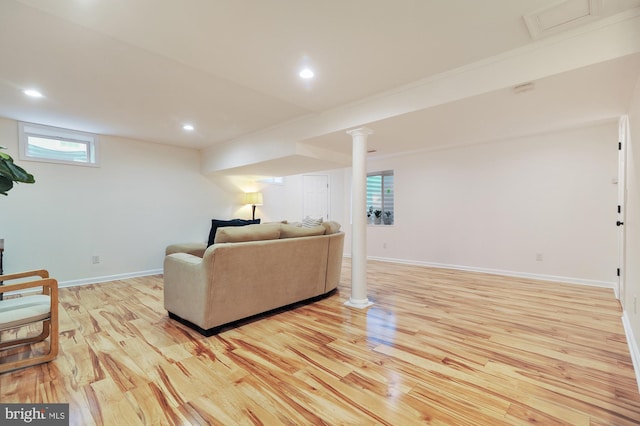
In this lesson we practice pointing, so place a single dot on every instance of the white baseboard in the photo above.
(633, 347)
(541, 277)
(96, 280)
(107, 278)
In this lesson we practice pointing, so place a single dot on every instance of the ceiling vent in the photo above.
(562, 16)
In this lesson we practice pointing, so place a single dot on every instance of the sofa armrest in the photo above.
(185, 286)
(195, 249)
(334, 260)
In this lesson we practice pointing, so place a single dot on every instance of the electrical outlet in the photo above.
(384, 245)
(539, 257)
(635, 304)
(95, 259)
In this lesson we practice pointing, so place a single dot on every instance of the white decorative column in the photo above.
(359, 219)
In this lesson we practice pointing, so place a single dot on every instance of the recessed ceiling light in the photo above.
(188, 127)
(33, 93)
(306, 73)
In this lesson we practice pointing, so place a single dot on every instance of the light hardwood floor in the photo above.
(439, 347)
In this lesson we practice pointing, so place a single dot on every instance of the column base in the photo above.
(358, 303)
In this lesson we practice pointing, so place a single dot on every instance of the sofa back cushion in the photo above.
(217, 223)
(309, 222)
(331, 227)
(292, 231)
(230, 234)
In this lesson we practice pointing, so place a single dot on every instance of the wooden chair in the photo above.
(29, 309)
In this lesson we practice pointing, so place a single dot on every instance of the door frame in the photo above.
(623, 138)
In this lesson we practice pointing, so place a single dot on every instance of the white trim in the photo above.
(623, 140)
(107, 278)
(358, 304)
(96, 280)
(541, 277)
(633, 347)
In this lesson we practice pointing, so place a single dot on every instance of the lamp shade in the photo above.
(253, 198)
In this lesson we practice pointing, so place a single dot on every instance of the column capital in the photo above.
(360, 131)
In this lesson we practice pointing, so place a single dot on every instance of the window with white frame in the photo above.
(273, 180)
(380, 193)
(56, 145)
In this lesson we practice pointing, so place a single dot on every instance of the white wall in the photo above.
(631, 293)
(143, 197)
(494, 207)
(489, 207)
(284, 201)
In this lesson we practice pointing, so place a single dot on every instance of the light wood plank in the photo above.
(438, 347)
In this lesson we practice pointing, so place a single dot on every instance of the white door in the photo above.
(315, 196)
(623, 133)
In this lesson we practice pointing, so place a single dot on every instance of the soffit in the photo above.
(575, 98)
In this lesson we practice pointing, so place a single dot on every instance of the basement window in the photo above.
(273, 180)
(56, 145)
(380, 193)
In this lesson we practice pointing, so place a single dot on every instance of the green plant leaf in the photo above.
(5, 185)
(15, 172)
(10, 172)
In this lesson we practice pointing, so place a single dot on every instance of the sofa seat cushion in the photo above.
(217, 223)
(247, 233)
(292, 231)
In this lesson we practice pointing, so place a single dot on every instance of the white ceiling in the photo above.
(577, 98)
(141, 68)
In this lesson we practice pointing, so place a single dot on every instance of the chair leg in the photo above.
(46, 329)
(54, 339)
(51, 327)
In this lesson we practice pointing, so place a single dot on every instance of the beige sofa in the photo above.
(250, 270)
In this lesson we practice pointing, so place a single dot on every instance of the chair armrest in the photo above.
(35, 273)
(49, 286)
